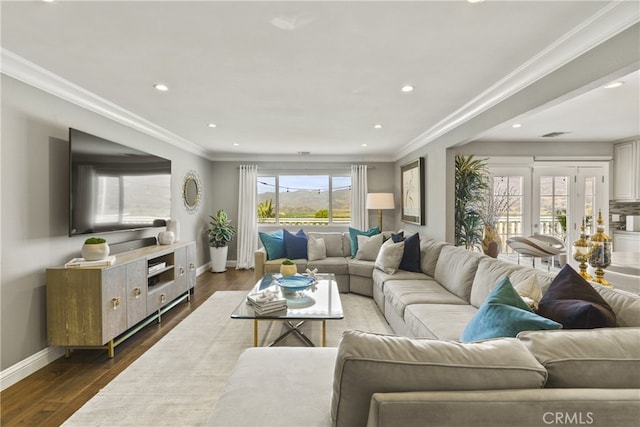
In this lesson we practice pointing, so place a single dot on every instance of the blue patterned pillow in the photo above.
(295, 244)
(273, 243)
(504, 314)
(353, 236)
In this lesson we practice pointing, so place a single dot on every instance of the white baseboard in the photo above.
(28, 366)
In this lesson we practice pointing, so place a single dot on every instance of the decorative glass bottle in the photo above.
(600, 257)
(582, 251)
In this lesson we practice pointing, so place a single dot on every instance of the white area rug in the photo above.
(178, 381)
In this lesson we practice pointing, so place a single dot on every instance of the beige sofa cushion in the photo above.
(455, 270)
(333, 242)
(369, 363)
(596, 358)
(490, 272)
(429, 253)
(626, 305)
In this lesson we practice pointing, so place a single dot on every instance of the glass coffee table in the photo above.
(320, 302)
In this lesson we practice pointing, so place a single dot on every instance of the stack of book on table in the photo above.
(267, 301)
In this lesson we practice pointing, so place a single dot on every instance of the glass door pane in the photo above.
(508, 194)
(553, 205)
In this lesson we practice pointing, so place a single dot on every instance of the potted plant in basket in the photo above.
(288, 268)
(95, 249)
(220, 234)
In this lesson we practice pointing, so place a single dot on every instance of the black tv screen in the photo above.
(113, 187)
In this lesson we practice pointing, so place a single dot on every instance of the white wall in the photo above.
(34, 197)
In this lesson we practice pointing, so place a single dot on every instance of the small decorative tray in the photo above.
(295, 283)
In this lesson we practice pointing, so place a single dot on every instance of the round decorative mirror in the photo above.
(191, 191)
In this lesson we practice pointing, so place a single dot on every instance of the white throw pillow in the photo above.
(530, 291)
(316, 248)
(368, 247)
(390, 256)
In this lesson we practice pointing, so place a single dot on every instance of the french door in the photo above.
(551, 199)
(564, 196)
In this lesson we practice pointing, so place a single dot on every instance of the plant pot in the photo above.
(95, 251)
(218, 259)
(491, 242)
(288, 270)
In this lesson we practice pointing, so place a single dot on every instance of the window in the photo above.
(304, 199)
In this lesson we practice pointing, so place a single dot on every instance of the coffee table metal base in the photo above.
(293, 329)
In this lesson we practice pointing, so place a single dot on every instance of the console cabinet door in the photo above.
(114, 302)
(181, 270)
(136, 292)
(191, 266)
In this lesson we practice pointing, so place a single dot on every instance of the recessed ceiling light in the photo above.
(161, 87)
(613, 85)
(378, 126)
(235, 144)
(407, 88)
(475, 1)
(363, 145)
(212, 125)
(516, 125)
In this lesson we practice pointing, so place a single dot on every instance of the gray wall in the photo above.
(34, 210)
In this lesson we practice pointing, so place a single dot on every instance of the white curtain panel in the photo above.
(247, 217)
(359, 190)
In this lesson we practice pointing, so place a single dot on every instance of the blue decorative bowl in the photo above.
(294, 283)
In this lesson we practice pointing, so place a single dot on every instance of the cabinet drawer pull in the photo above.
(137, 292)
(181, 271)
(116, 302)
(163, 298)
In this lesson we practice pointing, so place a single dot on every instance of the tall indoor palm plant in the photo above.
(470, 190)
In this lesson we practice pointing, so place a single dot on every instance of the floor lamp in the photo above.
(380, 201)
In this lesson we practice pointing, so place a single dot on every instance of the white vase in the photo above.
(218, 259)
(166, 237)
(95, 251)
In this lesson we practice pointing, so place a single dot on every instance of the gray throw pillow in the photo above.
(390, 256)
(316, 248)
(368, 247)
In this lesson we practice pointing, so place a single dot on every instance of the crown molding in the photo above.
(608, 22)
(34, 75)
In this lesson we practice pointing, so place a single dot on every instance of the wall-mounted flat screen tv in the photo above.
(113, 187)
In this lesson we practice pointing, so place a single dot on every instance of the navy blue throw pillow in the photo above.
(295, 244)
(572, 301)
(411, 257)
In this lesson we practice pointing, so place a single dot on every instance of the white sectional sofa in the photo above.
(424, 376)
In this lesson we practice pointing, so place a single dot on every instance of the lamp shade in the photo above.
(380, 201)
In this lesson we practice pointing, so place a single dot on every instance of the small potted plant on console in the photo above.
(95, 249)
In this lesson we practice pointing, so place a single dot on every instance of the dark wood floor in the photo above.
(51, 395)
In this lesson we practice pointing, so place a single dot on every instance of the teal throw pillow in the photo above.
(504, 314)
(353, 236)
(273, 243)
(295, 245)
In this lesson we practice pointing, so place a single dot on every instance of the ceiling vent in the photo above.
(553, 134)
(304, 153)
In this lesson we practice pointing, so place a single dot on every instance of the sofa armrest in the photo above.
(260, 258)
(528, 407)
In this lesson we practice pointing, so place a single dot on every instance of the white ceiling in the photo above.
(311, 76)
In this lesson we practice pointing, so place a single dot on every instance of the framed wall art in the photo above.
(412, 186)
